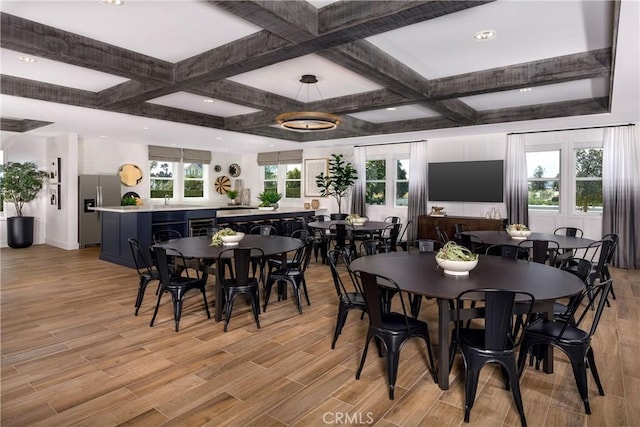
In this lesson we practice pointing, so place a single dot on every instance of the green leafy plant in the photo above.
(232, 194)
(128, 201)
(342, 175)
(216, 239)
(21, 183)
(269, 197)
(453, 252)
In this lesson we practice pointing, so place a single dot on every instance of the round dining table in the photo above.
(503, 238)
(367, 227)
(200, 248)
(419, 274)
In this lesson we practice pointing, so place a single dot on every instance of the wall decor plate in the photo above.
(222, 184)
(217, 168)
(130, 174)
(234, 170)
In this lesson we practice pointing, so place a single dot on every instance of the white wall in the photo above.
(62, 224)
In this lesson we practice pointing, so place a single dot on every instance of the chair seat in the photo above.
(475, 338)
(353, 299)
(397, 323)
(552, 329)
(251, 283)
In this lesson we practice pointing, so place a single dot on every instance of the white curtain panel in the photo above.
(358, 201)
(418, 186)
(516, 183)
(621, 193)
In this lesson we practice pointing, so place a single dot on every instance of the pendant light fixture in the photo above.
(307, 121)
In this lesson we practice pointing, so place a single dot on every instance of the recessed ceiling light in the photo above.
(103, 136)
(113, 2)
(484, 35)
(173, 144)
(145, 128)
(27, 59)
(209, 101)
(391, 109)
(218, 139)
(525, 89)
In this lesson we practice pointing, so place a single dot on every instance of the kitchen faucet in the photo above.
(166, 200)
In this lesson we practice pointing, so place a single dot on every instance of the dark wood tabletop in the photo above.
(418, 273)
(200, 247)
(367, 226)
(503, 238)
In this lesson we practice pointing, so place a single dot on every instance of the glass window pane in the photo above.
(161, 188)
(271, 185)
(544, 193)
(543, 164)
(375, 193)
(375, 170)
(292, 189)
(271, 172)
(589, 163)
(402, 169)
(402, 194)
(589, 195)
(193, 188)
(161, 169)
(294, 171)
(193, 170)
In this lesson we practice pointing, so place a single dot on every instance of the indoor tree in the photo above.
(342, 175)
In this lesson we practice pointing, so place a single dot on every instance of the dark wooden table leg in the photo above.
(443, 344)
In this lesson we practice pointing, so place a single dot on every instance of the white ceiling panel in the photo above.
(191, 102)
(405, 112)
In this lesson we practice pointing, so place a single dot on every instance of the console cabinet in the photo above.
(427, 225)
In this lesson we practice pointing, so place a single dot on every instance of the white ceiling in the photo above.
(176, 30)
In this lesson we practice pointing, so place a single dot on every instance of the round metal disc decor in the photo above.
(234, 170)
(217, 168)
(222, 184)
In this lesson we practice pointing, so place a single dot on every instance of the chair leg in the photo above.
(392, 369)
(342, 318)
(255, 303)
(155, 312)
(415, 301)
(177, 310)
(364, 355)
(594, 370)
(142, 286)
(509, 368)
(577, 357)
(470, 388)
(267, 294)
(227, 310)
(304, 288)
(204, 299)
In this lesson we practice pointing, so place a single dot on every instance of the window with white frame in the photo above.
(162, 179)
(543, 173)
(402, 182)
(193, 180)
(1, 173)
(293, 181)
(270, 178)
(588, 176)
(376, 182)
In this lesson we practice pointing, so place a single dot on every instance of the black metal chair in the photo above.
(264, 230)
(572, 339)
(177, 286)
(293, 274)
(338, 216)
(423, 246)
(442, 235)
(403, 238)
(508, 251)
(275, 262)
(392, 219)
(605, 274)
(390, 328)
(389, 237)
(350, 297)
(166, 235)
(542, 251)
(368, 247)
(319, 237)
(242, 283)
(342, 239)
(458, 229)
(495, 343)
(474, 243)
(146, 269)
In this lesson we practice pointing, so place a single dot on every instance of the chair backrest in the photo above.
(373, 297)
(425, 245)
(301, 234)
(287, 227)
(341, 289)
(578, 266)
(391, 232)
(471, 242)
(612, 248)
(459, 228)
(338, 216)
(264, 230)
(595, 297)
(392, 219)
(403, 236)
(442, 235)
(166, 235)
(339, 234)
(242, 258)
(141, 258)
(569, 231)
(369, 247)
(499, 308)
(161, 261)
(508, 251)
(541, 250)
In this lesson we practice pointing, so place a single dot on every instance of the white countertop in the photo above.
(222, 211)
(256, 211)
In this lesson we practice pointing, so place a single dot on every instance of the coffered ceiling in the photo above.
(222, 70)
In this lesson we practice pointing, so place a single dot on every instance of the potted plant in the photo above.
(232, 194)
(342, 175)
(269, 199)
(20, 184)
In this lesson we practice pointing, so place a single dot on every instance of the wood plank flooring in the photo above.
(73, 353)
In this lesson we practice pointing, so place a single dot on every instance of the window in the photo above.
(376, 182)
(1, 163)
(161, 179)
(293, 181)
(193, 180)
(402, 182)
(543, 172)
(271, 177)
(588, 180)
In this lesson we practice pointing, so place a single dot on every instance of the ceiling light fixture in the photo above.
(27, 59)
(113, 2)
(484, 35)
(307, 121)
(208, 101)
(525, 89)
(391, 109)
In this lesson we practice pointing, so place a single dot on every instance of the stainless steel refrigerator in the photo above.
(94, 191)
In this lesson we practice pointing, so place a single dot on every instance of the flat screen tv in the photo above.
(477, 181)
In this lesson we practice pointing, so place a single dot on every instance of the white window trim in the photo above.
(284, 181)
(178, 184)
(385, 180)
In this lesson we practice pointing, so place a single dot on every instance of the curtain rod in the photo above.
(562, 130)
(390, 143)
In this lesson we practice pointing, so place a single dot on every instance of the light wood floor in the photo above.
(73, 353)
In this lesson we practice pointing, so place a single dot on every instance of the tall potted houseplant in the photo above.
(20, 184)
(342, 175)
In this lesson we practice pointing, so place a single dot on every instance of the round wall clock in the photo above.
(222, 184)
(234, 170)
(217, 168)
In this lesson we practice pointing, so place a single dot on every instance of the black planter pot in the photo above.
(20, 231)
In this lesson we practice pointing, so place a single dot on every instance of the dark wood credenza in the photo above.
(427, 225)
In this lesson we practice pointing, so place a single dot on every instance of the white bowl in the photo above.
(232, 240)
(359, 221)
(519, 234)
(456, 268)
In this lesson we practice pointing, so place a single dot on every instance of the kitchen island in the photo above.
(119, 223)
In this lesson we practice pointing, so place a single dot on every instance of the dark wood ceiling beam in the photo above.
(21, 125)
(275, 132)
(584, 65)
(376, 99)
(230, 91)
(41, 40)
(161, 112)
(243, 122)
(25, 88)
(551, 110)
